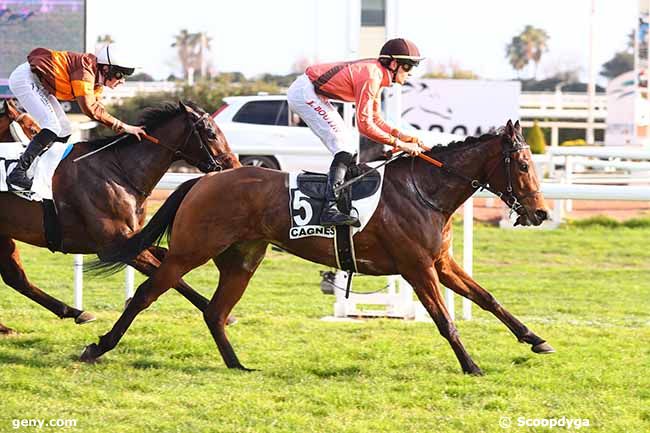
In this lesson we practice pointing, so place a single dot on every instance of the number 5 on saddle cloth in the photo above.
(306, 198)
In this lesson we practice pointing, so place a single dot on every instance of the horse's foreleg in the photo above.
(454, 277)
(236, 267)
(426, 286)
(149, 260)
(14, 276)
(162, 280)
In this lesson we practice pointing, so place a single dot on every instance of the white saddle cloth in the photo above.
(42, 169)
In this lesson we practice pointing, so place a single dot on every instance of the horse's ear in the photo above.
(509, 130)
(182, 106)
(517, 126)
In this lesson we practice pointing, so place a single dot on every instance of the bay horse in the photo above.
(9, 113)
(231, 217)
(101, 199)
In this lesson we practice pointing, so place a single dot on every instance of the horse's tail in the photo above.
(117, 256)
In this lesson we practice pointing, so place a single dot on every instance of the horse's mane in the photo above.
(456, 145)
(150, 117)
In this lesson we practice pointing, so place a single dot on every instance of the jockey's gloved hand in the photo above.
(412, 149)
(409, 138)
(135, 130)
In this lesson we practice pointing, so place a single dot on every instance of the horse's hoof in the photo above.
(475, 372)
(89, 354)
(542, 348)
(7, 332)
(242, 368)
(84, 317)
(231, 320)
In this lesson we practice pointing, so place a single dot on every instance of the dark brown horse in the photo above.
(8, 114)
(101, 199)
(409, 234)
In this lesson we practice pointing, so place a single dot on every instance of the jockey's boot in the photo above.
(331, 215)
(18, 179)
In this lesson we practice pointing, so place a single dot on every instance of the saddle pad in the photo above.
(42, 169)
(305, 211)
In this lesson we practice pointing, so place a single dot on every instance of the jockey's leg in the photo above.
(325, 121)
(46, 110)
(18, 178)
(331, 215)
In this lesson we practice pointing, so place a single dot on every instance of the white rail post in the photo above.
(449, 295)
(78, 281)
(468, 246)
(129, 281)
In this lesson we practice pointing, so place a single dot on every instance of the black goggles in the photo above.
(408, 65)
(119, 73)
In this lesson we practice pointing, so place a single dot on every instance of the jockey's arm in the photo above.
(371, 125)
(94, 109)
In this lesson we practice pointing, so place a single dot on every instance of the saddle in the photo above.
(314, 185)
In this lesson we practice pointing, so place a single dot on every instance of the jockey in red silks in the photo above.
(51, 76)
(361, 82)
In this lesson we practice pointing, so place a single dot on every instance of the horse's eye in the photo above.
(523, 166)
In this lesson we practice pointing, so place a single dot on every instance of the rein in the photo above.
(509, 197)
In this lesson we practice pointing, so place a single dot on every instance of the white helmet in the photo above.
(113, 55)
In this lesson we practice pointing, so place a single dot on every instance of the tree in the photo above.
(527, 47)
(516, 54)
(192, 52)
(623, 61)
(105, 39)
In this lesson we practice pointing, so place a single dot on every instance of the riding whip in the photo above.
(91, 153)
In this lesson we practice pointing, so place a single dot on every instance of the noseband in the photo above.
(509, 196)
(212, 164)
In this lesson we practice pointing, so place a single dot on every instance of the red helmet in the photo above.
(402, 50)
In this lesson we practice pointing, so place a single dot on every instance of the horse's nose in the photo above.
(541, 214)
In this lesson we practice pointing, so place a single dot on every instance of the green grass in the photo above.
(584, 289)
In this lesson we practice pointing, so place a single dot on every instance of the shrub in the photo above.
(576, 142)
(535, 139)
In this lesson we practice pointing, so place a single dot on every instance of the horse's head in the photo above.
(514, 178)
(205, 147)
(27, 123)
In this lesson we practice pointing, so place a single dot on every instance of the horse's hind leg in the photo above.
(14, 276)
(453, 276)
(167, 275)
(149, 260)
(426, 286)
(236, 267)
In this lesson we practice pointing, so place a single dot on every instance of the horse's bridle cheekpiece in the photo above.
(509, 197)
(206, 167)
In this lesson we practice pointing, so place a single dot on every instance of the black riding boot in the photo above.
(18, 179)
(330, 215)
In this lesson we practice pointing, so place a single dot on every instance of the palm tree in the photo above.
(516, 54)
(192, 51)
(528, 46)
(535, 41)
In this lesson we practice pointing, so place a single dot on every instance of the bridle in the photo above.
(509, 196)
(212, 163)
